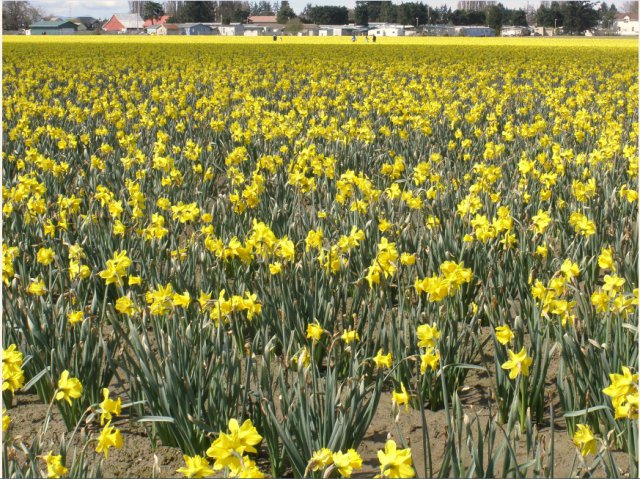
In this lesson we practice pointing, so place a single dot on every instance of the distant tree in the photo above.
(240, 15)
(517, 17)
(196, 12)
(261, 8)
(441, 15)
(551, 16)
(361, 13)
(578, 16)
(294, 26)
(329, 15)
(467, 17)
(17, 15)
(305, 14)
(388, 12)
(285, 13)
(408, 12)
(495, 17)
(153, 11)
(607, 15)
(630, 7)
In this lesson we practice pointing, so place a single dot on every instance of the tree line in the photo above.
(574, 17)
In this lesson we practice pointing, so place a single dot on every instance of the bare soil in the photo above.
(139, 458)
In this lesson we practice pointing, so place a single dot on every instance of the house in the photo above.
(168, 29)
(233, 30)
(57, 27)
(86, 23)
(156, 21)
(124, 23)
(339, 30)
(259, 30)
(79, 26)
(438, 30)
(309, 29)
(627, 24)
(152, 29)
(475, 31)
(546, 31)
(388, 31)
(514, 31)
(195, 29)
(264, 20)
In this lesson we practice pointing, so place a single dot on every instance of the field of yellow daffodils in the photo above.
(253, 252)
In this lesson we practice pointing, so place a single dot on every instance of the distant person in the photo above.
(366, 39)
(353, 38)
(275, 38)
(373, 38)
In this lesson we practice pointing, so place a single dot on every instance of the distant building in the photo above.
(260, 30)
(438, 30)
(475, 31)
(156, 21)
(58, 27)
(263, 20)
(124, 23)
(627, 23)
(340, 30)
(476, 5)
(388, 31)
(195, 29)
(232, 30)
(86, 23)
(546, 31)
(168, 29)
(309, 29)
(514, 31)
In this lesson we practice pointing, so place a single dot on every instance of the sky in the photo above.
(105, 8)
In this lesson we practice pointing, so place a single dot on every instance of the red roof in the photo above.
(113, 25)
(158, 21)
(633, 17)
(263, 19)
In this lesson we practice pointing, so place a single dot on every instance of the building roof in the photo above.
(189, 25)
(52, 24)
(171, 26)
(129, 20)
(85, 20)
(263, 19)
(633, 17)
(157, 21)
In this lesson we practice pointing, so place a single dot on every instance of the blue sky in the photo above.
(105, 8)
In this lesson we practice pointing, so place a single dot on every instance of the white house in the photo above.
(258, 30)
(339, 30)
(438, 30)
(153, 29)
(388, 31)
(627, 23)
(124, 23)
(514, 31)
(233, 30)
(168, 29)
(475, 31)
